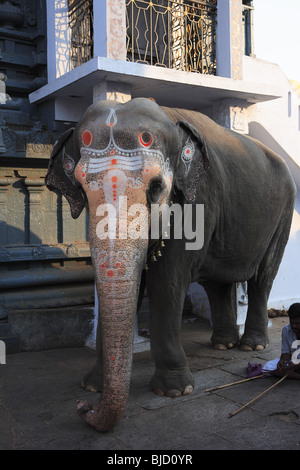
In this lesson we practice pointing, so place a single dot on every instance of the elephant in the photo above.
(148, 156)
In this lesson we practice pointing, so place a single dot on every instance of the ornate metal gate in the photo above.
(178, 34)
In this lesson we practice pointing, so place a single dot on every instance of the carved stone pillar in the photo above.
(4, 186)
(232, 114)
(229, 39)
(67, 222)
(112, 91)
(37, 225)
(110, 36)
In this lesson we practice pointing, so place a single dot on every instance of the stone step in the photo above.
(12, 343)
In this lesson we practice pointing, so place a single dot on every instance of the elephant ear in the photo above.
(61, 169)
(193, 160)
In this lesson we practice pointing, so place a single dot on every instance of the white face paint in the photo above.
(106, 168)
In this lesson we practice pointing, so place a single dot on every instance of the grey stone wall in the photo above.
(44, 254)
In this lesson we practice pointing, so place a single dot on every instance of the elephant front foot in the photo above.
(93, 380)
(221, 343)
(254, 341)
(172, 383)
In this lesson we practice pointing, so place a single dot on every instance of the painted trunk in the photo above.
(117, 278)
(119, 250)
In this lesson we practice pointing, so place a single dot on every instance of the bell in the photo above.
(146, 267)
(154, 258)
(162, 244)
(159, 253)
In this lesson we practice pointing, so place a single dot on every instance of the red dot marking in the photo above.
(147, 170)
(114, 161)
(113, 358)
(102, 265)
(114, 185)
(111, 124)
(68, 166)
(112, 152)
(87, 138)
(117, 265)
(110, 273)
(187, 151)
(114, 179)
(83, 175)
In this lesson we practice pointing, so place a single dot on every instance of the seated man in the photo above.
(289, 362)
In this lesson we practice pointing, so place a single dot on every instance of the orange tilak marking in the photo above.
(87, 138)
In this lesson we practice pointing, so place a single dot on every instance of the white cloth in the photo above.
(288, 337)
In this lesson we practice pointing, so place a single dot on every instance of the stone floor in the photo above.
(38, 393)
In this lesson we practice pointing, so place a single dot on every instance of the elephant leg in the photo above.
(255, 336)
(221, 298)
(172, 376)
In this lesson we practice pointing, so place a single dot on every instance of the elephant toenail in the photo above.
(174, 393)
(188, 390)
(259, 347)
(220, 347)
(245, 347)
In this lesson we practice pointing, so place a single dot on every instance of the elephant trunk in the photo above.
(118, 273)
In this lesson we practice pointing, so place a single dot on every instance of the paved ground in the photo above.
(38, 393)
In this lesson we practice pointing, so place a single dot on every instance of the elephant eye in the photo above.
(146, 138)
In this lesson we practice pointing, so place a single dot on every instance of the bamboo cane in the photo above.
(260, 395)
(234, 383)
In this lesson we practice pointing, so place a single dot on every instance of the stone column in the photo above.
(232, 114)
(110, 33)
(4, 186)
(68, 228)
(37, 225)
(229, 39)
(112, 91)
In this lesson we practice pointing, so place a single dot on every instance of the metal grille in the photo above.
(179, 34)
(81, 26)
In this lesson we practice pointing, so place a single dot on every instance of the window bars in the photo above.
(178, 34)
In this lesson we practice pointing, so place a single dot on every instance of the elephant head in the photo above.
(120, 159)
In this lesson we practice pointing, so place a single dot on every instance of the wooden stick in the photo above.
(251, 401)
(234, 383)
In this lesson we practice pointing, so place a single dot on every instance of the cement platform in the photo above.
(38, 393)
